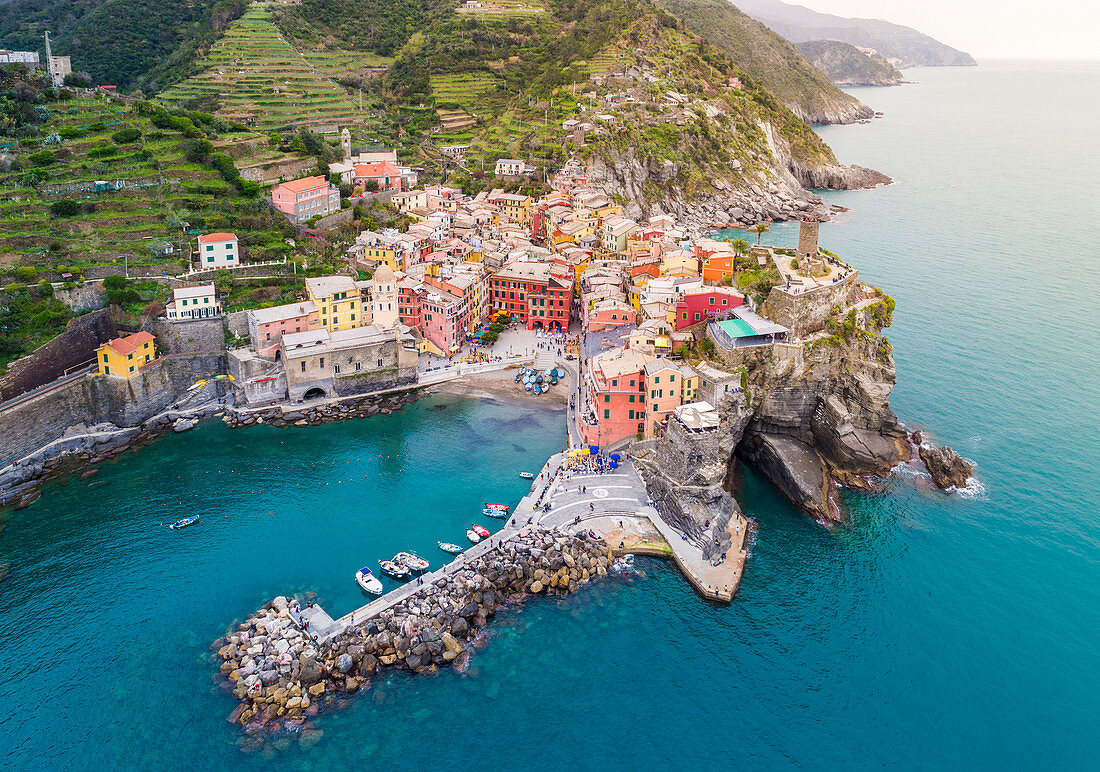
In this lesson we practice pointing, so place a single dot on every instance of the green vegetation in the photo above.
(128, 43)
(29, 317)
(846, 65)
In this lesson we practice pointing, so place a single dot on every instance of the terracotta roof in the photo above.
(129, 344)
(208, 237)
(306, 183)
(379, 169)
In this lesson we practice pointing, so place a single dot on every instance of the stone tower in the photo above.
(807, 240)
(345, 143)
(383, 298)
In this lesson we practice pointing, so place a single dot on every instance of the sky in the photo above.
(990, 29)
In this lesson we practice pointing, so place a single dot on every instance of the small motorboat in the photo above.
(447, 546)
(480, 530)
(527, 475)
(411, 561)
(396, 570)
(368, 581)
(184, 522)
(501, 513)
(503, 507)
(472, 535)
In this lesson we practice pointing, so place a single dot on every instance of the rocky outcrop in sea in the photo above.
(282, 677)
(948, 469)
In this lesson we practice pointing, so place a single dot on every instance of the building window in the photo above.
(606, 413)
(631, 398)
(631, 414)
(303, 366)
(336, 369)
(379, 362)
(606, 397)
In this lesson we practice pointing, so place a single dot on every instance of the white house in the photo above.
(509, 167)
(193, 303)
(218, 250)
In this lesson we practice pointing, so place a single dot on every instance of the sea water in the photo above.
(933, 631)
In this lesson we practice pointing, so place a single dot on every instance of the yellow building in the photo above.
(384, 254)
(338, 302)
(125, 356)
(689, 384)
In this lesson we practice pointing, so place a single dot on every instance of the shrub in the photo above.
(197, 150)
(26, 273)
(102, 151)
(45, 289)
(42, 158)
(126, 136)
(71, 132)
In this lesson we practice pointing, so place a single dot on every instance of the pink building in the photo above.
(610, 313)
(305, 198)
(616, 397)
(384, 174)
(266, 326)
(698, 305)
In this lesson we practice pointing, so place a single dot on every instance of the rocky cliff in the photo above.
(819, 415)
(846, 65)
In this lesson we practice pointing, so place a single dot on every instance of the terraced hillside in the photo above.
(124, 193)
(252, 74)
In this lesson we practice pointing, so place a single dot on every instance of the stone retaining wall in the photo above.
(75, 346)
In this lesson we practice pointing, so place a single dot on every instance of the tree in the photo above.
(740, 247)
(223, 281)
(760, 229)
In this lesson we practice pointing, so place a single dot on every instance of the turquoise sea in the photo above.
(932, 632)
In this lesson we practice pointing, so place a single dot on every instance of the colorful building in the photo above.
(610, 313)
(385, 175)
(540, 295)
(705, 303)
(267, 326)
(308, 197)
(123, 357)
(616, 397)
(663, 385)
(338, 301)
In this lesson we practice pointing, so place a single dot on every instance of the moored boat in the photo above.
(396, 570)
(368, 581)
(184, 522)
(489, 505)
(480, 530)
(447, 546)
(411, 561)
(527, 475)
(472, 536)
(499, 513)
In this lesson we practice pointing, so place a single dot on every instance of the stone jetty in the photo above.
(315, 414)
(283, 672)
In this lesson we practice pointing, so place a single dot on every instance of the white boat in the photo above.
(472, 536)
(527, 475)
(411, 561)
(368, 581)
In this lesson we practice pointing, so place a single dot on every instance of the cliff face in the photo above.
(820, 414)
(776, 189)
(846, 65)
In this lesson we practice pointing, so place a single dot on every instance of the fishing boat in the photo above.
(447, 546)
(396, 570)
(489, 505)
(494, 512)
(411, 561)
(184, 522)
(480, 530)
(527, 475)
(472, 536)
(368, 581)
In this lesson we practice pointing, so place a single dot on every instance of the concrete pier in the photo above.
(614, 506)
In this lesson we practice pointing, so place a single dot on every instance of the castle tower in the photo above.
(345, 143)
(383, 298)
(807, 240)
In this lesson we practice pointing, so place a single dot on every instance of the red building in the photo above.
(615, 389)
(538, 294)
(706, 303)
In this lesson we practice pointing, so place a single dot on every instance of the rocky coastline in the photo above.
(314, 415)
(282, 676)
(83, 449)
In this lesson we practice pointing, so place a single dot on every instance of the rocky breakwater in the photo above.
(282, 676)
(948, 469)
(356, 407)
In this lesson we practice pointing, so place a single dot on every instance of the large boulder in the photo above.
(310, 673)
(948, 469)
(344, 663)
(183, 425)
